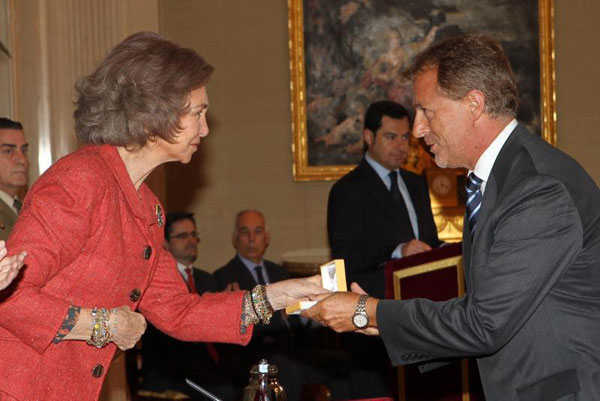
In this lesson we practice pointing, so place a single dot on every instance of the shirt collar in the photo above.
(250, 265)
(183, 269)
(381, 171)
(486, 161)
(9, 200)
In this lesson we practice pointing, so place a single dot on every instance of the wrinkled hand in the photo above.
(9, 266)
(232, 287)
(289, 292)
(414, 246)
(130, 327)
(336, 310)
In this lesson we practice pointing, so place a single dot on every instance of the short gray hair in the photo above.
(465, 63)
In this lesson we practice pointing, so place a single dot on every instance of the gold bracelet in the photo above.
(261, 304)
(100, 332)
(113, 326)
(249, 316)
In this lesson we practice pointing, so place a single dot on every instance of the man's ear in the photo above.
(369, 137)
(234, 241)
(476, 103)
(267, 239)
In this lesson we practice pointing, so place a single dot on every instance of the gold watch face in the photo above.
(360, 320)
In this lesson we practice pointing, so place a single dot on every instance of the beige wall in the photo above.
(246, 160)
(578, 81)
(55, 43)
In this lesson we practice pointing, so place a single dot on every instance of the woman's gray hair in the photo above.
(138, 92)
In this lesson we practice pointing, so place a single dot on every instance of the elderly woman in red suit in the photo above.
(93, 232)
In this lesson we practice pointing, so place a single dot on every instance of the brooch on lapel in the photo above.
(159, 216)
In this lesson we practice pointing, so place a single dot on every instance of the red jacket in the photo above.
(93, 240)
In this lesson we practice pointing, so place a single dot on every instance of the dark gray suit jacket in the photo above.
(531, 313)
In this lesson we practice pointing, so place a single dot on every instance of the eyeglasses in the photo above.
(185, 236)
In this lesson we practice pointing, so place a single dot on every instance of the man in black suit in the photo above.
(377, 212)
(371, 217)
(166, 361)
(274, 341)
(531, 242)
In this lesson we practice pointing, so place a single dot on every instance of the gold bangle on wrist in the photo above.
(261, 304)
(100, 330)
(251, 317)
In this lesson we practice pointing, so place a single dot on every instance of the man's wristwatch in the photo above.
(360, 317)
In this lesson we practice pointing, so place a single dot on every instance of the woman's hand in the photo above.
(9, 266)
(289, 292)
(126, 327)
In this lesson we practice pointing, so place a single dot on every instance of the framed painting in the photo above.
(345, 54)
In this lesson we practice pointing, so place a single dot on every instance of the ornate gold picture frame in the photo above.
(313, 150)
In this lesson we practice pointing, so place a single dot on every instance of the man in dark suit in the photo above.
(274, 341)
(166, 361)
(377, 212)
(372, 217)
(14, 166)
(531, 242)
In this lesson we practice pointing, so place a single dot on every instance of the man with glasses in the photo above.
(181, 239)
(166, 362)
(14, 167)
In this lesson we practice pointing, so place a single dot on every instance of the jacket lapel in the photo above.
(244, 278)
(498, 175)
(381, 196)
(493, 187)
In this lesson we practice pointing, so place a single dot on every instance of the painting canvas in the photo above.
(345, 54)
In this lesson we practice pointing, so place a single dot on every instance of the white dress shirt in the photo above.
(384, 174)
(486, 161)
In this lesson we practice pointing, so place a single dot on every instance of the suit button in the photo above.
(135, 294)
(147, 252)
(98, 370)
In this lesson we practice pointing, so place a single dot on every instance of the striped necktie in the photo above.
(474, 198)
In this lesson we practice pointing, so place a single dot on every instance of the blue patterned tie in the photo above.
(474, 198)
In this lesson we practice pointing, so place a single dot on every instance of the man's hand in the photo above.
(9, 266)
(414, 246)
(129, 328)
(289, 292)
(336, 311)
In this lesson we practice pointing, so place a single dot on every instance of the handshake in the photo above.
(331, 304)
